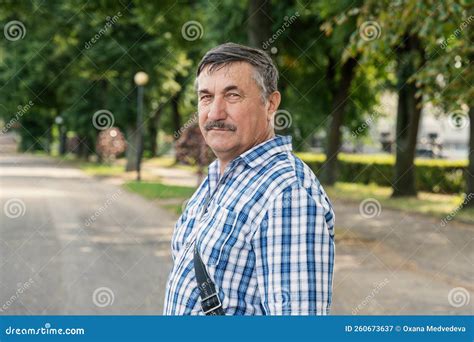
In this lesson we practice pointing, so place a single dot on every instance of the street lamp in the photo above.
(62, 134)
(141, 79)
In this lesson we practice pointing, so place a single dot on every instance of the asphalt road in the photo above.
(70, 244)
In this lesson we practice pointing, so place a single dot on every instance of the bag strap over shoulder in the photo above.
(210, 301)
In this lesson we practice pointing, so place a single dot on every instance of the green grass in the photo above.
(380, 159)
(174, 208)
(426, 203)
(103, 170)
(155, 190)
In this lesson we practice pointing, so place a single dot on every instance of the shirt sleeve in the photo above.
(294, 251)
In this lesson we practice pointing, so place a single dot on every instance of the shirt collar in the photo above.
(256, 155)
(262, 152)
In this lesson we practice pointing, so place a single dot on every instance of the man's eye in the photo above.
(233, 96)
(205, 98)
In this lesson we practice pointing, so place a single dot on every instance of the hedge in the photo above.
(432, 175)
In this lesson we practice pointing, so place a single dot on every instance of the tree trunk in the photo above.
(153, 130)
(175, 113)
(340, 97)
(259, 24)
(408, 119)
(470, 170)
(84, 148)
(62, 140)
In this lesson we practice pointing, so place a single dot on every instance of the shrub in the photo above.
(439, 176)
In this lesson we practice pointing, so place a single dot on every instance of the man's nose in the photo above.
(218, 109)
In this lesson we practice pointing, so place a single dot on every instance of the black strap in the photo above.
(210, 301)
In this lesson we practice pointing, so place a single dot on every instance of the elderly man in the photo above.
(257, 236)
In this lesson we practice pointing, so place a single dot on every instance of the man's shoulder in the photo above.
(290, 170)
(282, 172)
(281, 177)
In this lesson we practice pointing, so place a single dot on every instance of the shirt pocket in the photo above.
(216, 230)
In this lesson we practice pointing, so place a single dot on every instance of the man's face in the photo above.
(230, 99)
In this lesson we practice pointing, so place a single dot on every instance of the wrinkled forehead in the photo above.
(240, 74)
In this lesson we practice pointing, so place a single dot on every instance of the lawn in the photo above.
(426, 203)
(102, 170)
(170, 197)
(155, 190)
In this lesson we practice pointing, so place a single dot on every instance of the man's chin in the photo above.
(222, 146)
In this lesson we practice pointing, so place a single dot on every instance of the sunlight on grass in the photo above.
(95, 169)
(380, 158)
(154, 190)
(426, 203)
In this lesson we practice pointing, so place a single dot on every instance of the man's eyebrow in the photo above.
(230, 87)
(203, 91)
(225, 90)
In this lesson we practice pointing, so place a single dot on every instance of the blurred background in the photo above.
(100, 149)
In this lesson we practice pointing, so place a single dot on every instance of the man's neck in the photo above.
(223, 165)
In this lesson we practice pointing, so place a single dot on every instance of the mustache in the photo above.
(219, 124)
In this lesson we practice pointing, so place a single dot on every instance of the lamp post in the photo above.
(62, 134)
(141, 79)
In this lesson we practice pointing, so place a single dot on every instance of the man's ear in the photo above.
(273, 102)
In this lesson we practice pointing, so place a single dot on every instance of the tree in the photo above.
(445, 81)
(340, 26)
(409, 59)
(259, 22)
(413, 45)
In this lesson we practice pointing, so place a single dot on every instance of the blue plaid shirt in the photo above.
(266, 237)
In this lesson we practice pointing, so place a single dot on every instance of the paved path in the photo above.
(75, 236)
(399, 263)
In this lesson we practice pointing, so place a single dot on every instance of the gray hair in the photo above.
(265, 75)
